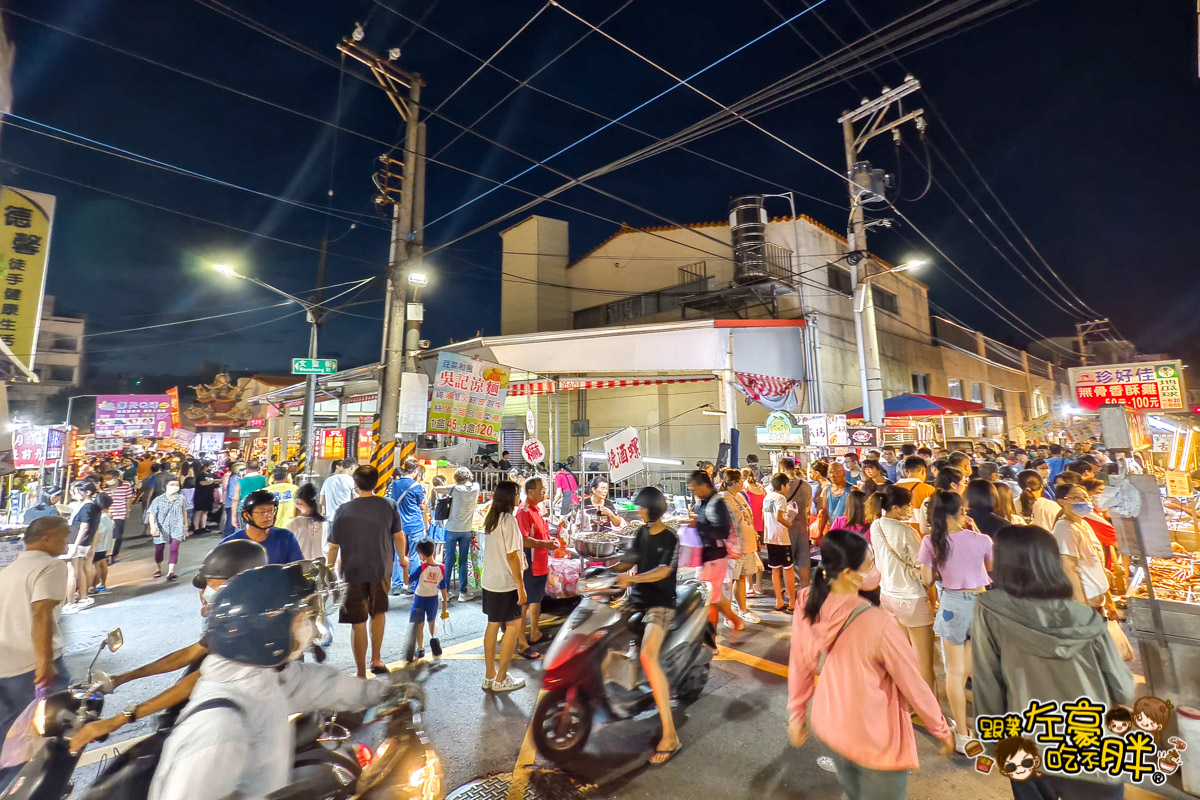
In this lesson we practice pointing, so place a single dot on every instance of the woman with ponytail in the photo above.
(959, 559)
(869, 677)
(1032, 504)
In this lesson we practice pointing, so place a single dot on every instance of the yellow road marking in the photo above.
(471, 644)
(727, 654)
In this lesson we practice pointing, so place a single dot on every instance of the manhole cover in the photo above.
(541, 786)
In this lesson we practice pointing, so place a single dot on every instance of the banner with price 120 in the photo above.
(467, 398)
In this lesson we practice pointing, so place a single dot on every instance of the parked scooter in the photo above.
(47, 776)
(592, 667)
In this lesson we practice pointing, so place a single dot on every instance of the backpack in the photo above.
(441, 507)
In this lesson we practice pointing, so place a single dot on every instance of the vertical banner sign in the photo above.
(1145, 386)
(54, 444)
(331, 444)
(29, 447)
(624, 452)
(173, 393)
(468, 398)
(24, 245)
(133, 415)
(414, 402)
(364, 444)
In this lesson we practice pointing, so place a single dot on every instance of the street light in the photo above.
(312, 314)
(418, 279)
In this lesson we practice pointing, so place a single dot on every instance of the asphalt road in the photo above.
(735, 742)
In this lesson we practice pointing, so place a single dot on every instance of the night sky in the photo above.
(1082, 117)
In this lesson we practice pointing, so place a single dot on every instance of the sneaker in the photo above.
(751, 617)
(435, 647)
(420, 654)
(508, 684)
(487, 684)
(70, 608)
(465, 597)
(960, 743)
(86, 602)
(171, 576)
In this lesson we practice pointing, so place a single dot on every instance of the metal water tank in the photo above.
(748, 226)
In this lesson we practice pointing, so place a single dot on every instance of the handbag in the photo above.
(441, 508)
(1124, 648)
(912, 570)
(691, 547)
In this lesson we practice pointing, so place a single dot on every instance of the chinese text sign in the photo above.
(24, 245)
(467, 398)
(1145, 386)
(133, 415)
(624, 452)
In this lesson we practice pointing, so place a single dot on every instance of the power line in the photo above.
(186, 321)
(172, 342)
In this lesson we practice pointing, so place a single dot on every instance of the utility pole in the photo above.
(865, 185)
(404, 90)
(415, 312)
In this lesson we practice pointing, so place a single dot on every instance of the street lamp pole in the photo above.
(61, 463)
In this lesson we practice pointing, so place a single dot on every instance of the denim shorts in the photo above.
(955, 611)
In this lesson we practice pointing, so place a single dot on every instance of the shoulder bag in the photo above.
(911, 569)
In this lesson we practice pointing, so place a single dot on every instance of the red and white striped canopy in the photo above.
(759, 386)
(526, 388)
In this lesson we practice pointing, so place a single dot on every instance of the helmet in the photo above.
(652, 499)
(251, 619)
(259, 498)
(228, 559)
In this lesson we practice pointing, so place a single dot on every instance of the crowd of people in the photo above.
(998, 557)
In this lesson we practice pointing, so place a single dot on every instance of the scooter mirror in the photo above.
(115, 640)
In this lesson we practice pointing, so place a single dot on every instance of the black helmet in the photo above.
(250, 621)
(653, 500)
(260, 498)
(228, 559)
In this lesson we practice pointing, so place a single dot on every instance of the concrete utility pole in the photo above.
(866, 184)
(404, 90)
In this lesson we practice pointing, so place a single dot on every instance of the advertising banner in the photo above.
(331, 444)
(414, 402)
(624, 453)
(1143, 386)
(93, 445)
(468, 398)
(132, 415)
(29, 447)
(208, 443)
(24, 245)
(173, 393)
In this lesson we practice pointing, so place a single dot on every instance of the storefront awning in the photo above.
(921, 405)
(526, 388)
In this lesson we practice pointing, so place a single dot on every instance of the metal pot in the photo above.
(594, 549)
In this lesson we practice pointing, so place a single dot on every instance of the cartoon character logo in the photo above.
(1018, 758)
(1151, 715)
(1119, 720)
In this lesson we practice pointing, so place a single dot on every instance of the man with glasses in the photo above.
(258, 514)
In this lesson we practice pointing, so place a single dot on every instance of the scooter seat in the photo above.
(687, 600)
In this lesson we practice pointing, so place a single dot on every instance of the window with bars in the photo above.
(885, 300)
(839, 280)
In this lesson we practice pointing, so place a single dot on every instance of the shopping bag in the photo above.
(1121, 640)
(563, 578)
(445, 626)
(22, 741)
(690, 547)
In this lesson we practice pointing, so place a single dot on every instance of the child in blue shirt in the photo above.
(430, 579)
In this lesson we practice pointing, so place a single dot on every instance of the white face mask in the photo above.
(209, 595)
(172, 490)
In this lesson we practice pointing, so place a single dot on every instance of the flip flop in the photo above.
(529, 654)
(158, 573)
(670, 754)
(379, 670)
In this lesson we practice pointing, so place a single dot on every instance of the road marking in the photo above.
(728, 654)
(471, 644)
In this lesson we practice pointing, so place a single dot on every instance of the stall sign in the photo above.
(530, 422)
(24, 246)
(257, 422)
(818, 429)
(414, 402)
(173, 393)
(131, 415)
(183, 439)
(1160, 442)
(624, 452)
(468, 398)
(331, 443)
(1178, 484)
(898, 436)
(54, 443)
(207, 443)
(782, 429)
(10, 548)
(864, 436)
(533, 451)
(365, 443)
(29, 447)
(1144, 386)
(92, 444)
(1124, 428)
(838, 431)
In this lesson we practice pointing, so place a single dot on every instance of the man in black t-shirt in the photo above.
(656, 547)
(367, 532)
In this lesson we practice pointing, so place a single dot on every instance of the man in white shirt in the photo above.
(338, 488)
(32, 590)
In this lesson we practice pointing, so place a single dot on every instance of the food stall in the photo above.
(920, 418)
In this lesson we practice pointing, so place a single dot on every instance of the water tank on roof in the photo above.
(748, 225)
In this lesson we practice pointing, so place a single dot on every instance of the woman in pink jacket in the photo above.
(869, 682)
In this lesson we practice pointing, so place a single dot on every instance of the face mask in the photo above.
(868, 581)
(1082, 509)
(209, 595)
(172, 490)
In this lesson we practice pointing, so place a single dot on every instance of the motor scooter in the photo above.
(47, 776)
(592, 668)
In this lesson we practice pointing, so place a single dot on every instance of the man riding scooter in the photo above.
(222, 563)
(235, 735)
(656, 548)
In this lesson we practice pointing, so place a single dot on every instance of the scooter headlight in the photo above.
(55, 714)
